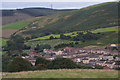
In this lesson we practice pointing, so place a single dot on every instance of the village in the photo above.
(107, 58)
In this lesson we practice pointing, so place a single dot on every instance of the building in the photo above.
(85, 61)
(107, 57)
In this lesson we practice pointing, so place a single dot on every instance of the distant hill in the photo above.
(10, 16)
(92, 17)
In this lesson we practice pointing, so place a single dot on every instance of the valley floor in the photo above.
(64, 73)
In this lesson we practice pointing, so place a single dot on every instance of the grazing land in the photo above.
(50, 42)
(101, 30)
(65, 73)
(15, 26)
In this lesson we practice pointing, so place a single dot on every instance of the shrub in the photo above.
(19, 64)
(41, 67)
(41, 60)
(63, 63)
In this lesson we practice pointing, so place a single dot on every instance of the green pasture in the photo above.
(15, 26)
(101, 30)
(64, 73)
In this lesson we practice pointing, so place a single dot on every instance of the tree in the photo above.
(27, 47)
(19, 64)
(41, 60)
(63, 63)
(76, 43)
(15, 43)
(99, 67)
(39, 48)
(62, 36)
(41, 67)
(51, 37)
(27, 38)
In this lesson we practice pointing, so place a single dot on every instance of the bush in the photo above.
(99, 67)
(63, 63)
(19, 64)
(51, 37)
(41, 67)
(41, 60)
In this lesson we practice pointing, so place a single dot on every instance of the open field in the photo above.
(109, 29)
(3, 41)
(7, 33)
(9, 29)
(64, 73)
(101, 30)
(100, 43)
(50, 42)
(107, 38)
(15, 26)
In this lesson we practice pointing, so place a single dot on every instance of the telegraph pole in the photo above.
(51, 6)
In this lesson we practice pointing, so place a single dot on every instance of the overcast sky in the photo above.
(57, 4)
(57, 0)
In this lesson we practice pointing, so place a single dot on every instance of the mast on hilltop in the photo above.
(51, 6)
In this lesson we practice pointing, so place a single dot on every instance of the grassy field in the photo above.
(107, 38)
(50, 42)
(77, 20)
(16, 25)
(65, 73)
(105, 29)
(3, 42)
(101, 30)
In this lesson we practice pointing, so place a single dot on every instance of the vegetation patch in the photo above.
(64, 73)
(72, 34)
(15, 26)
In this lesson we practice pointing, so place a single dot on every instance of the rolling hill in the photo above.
(11, 16)
(89, 18)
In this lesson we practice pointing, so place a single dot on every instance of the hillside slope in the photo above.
(10, 16)
(93, 17)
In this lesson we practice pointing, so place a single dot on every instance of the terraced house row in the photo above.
(108, 58)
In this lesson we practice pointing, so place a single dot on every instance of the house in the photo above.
(108, 57)
(32, 60)
(34, 27)
(50, 58)
(110, 64)
(76, 59)
(117, 64)
(83, 54)
(100, 56)
(92, 62)
(93, 57)
(111, 46)
(107, 67)
(69, 50)
(58, 52)
(85, 61)
(101, 63)
(117, 58)
(115, 52)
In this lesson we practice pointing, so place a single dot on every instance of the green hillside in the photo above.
(33, 11)
(100, 43)
(93, 17)
(16, 25)
(100, 30)
(15, 15)
(68, 73)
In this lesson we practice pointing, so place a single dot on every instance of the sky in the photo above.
(57, 4)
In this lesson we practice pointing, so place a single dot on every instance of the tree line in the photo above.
(19, 64)
(82, 37)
